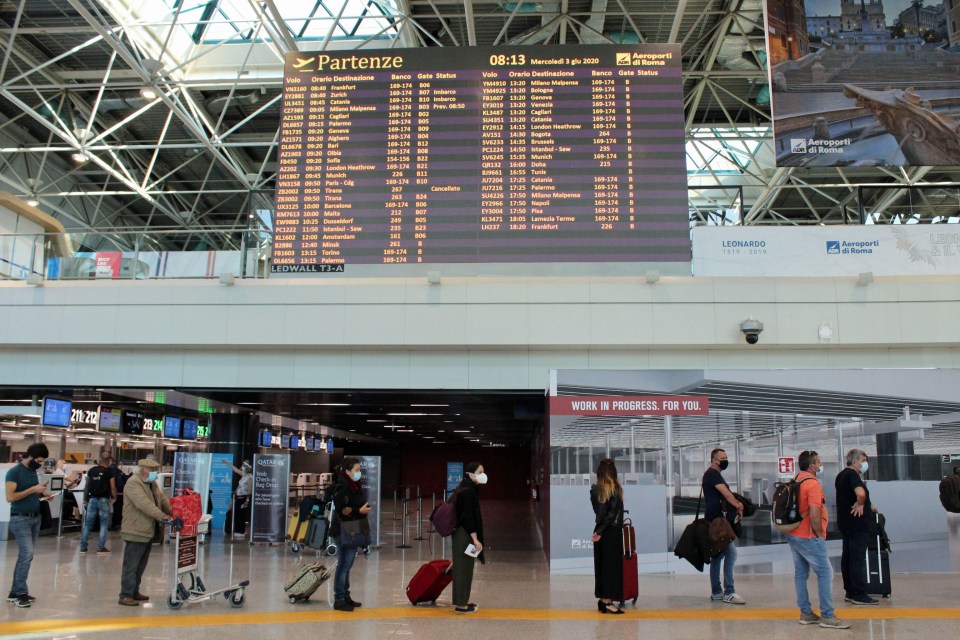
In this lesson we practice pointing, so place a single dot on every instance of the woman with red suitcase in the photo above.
(606, 496)
(468, 536)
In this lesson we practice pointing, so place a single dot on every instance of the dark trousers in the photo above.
(117, 519)
(462, 568)
(240, 514)
(853, 563)
(135, 557)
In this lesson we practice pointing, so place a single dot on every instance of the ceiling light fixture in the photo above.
(32, 201)
(148, 92)
(324, 404)
(79, 157)
(429, 405)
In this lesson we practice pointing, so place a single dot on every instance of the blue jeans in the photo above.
(96, 508)
(341, 579)
(811, 553)
(729, 558)
(25, 530)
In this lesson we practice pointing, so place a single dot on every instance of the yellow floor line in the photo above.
(391, 613)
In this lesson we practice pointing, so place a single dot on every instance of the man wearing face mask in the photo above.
(466, 499)
(143, 505)
(23, 491)
(853, 520)
(719, 501)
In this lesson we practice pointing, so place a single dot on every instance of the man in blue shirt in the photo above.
(720, 502)
(23, 490)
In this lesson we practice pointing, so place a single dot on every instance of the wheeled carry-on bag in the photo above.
(317, 533)
(631, 583)
(429, 582)
(306, 581)
(878, 561)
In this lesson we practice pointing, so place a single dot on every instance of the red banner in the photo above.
(629, 405)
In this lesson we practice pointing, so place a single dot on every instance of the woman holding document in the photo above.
(468, 536)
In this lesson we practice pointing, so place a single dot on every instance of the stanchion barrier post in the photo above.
(403, 529)
(419, 519)
(396, 516)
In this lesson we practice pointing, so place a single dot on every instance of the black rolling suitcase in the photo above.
(878, 559)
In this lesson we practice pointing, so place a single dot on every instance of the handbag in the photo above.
(353, 533)
(721, 534)
(187, 505)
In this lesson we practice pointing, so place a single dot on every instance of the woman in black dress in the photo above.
(607, 499)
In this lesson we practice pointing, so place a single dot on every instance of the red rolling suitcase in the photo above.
(429, 582)
(631, 582)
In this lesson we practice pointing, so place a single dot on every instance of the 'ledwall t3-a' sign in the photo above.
(629, 405)
(856, 84)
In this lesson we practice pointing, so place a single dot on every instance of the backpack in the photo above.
(950, 493)
(786, 514)
(98, 482)
(444, 518)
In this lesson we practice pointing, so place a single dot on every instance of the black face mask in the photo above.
(33, 464)
(724, 464)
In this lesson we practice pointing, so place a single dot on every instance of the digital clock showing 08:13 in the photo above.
(501, 60)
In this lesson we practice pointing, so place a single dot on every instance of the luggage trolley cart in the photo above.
(186, 547)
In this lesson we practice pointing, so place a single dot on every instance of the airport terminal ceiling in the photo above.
(124, 115)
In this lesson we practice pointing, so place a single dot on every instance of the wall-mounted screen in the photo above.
(132, 423)
(508, 154)
(330, 445)
(56, 413)
(203, 432)
(109, 420)
(862, 84)
(172, 427)
(294, 442)
(189, 429)
(285, 440)
(311, 444)
(266, 438)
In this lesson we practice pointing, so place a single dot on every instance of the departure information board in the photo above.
(472, 154)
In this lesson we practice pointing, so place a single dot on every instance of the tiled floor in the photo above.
(519, 599)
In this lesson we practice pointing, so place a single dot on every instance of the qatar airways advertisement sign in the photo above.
(884, 250)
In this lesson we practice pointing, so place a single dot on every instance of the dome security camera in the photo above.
(751, 330)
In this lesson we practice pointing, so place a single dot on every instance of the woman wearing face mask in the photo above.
(466, 499)
(606, 496)
(241, 499)
(143, 505)
(351, 526)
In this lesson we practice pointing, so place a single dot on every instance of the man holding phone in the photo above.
(23, 491)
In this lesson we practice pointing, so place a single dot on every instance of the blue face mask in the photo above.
(152, 476)
(355, 476)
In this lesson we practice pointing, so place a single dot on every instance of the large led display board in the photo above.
(862, 84)
(566, 154)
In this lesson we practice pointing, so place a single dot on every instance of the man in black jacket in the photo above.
(853, 520)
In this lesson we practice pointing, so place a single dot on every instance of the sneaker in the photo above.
(732, 598)
(23, 602)
(865, 600)
(12, 598)
(30, 598)
(470, 608)
(104, 550)
(847, 599)
(716, 597)
(343, 605)
(834, 623)
(809, 618)
(129, 602)
(82, 551)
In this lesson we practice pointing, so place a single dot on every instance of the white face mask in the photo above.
(481, 478)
